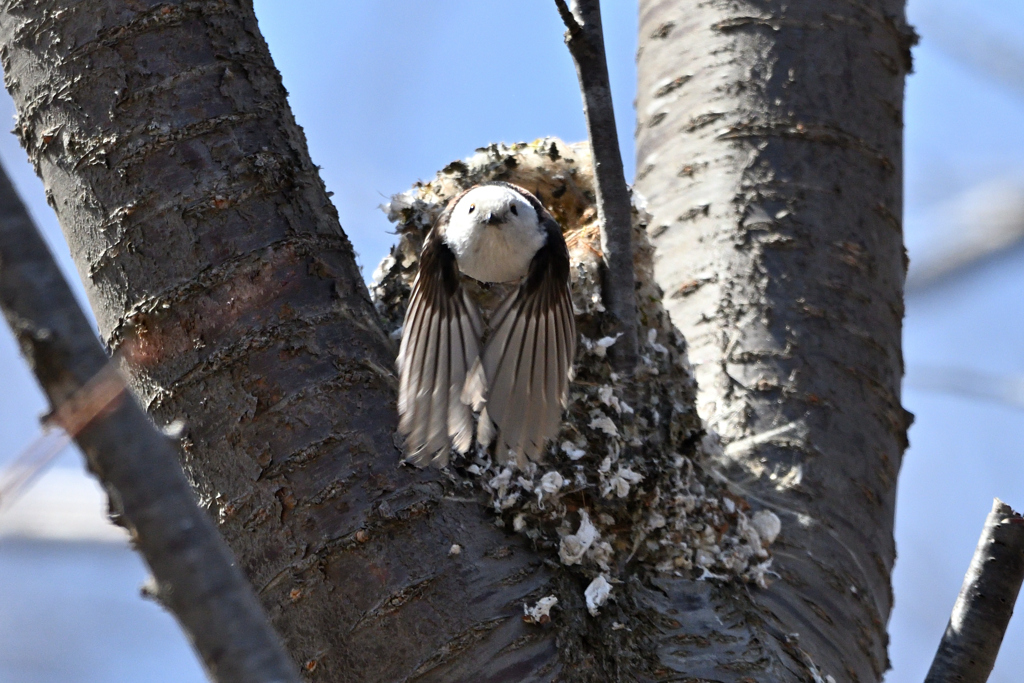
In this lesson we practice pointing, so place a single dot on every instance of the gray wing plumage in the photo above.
(440, 344)
(528, 358)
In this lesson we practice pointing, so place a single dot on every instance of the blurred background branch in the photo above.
(1007, 389)
(970, 41)
(985, 222)
(194, 571)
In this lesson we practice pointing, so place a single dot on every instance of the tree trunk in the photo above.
(205, 237)
(209, 248)
(769, 146)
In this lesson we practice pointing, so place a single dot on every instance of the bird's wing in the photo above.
(440, 343)
(528, 357)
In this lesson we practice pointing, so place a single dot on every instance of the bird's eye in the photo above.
(515, 211)
(472, 208)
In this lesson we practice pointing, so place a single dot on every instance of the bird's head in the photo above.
(495, 206)
(494, 232)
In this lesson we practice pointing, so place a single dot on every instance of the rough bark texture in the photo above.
(205, 237)
(983, 609)
(195, 574)
(769, 147)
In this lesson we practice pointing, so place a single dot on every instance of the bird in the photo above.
(489, 330)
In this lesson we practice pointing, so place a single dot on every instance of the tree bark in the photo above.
(769, 147)
(205, 237)
(983, 609)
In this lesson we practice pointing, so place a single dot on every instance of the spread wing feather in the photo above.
(528, 357)
(440, 343)
(519, 382)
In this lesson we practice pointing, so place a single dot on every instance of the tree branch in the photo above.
(193, 568)
(982, 611)
(568, 18)
(585, 40)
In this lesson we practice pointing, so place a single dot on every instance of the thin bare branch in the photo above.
(568, 18)
(195, 573)
(982, 611)
(585, 39)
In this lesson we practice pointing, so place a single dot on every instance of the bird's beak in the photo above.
(494, 219)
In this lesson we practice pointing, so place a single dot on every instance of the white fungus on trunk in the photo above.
(573, 547)
(768, 525)
(597, 594)
(540, 613)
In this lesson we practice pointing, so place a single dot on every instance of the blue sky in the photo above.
(389, 91)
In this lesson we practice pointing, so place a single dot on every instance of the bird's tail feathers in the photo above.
(474, 391)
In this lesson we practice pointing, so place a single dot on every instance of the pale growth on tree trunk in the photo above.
(541, 612)
(597, 594)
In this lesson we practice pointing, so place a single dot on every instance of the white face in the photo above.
(494, 205)
(494, 232)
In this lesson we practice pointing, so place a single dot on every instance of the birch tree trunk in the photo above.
(769, 146)
(211, 251)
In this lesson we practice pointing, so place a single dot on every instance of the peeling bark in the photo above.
(769, 146)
